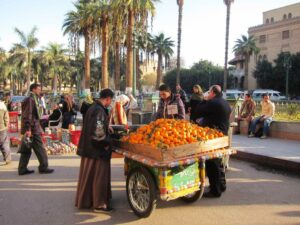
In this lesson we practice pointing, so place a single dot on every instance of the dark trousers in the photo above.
(40, 152)
(216, 176)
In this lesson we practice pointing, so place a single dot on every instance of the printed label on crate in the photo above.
(185, 176)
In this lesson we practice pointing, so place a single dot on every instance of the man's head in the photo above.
(178, 87)
(215, 91)
(265, 97)
(247, 97)
(106, 97)
(36, 89)
(164, 91)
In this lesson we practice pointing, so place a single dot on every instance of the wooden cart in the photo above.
(167, 173)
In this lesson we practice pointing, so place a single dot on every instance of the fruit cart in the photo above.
(167, 173)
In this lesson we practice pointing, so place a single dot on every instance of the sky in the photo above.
(203, 26)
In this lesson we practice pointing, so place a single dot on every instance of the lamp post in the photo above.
(287, 66)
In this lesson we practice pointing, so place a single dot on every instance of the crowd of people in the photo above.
(95, 145)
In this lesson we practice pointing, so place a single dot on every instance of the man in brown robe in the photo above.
(94, 187)
(247, 111)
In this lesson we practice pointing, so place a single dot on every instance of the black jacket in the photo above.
(89, 144)
(193, 104)
(30, 120)
(215, 114)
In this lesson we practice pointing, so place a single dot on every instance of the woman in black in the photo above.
(196, 99)
(69, 112)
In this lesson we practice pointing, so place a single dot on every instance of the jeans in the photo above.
(267, 123)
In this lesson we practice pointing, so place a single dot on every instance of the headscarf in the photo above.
(197, 96)
(89, 99)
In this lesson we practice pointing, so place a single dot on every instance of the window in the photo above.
(284, 17)
(285, 34)
(272, 20)
(290, 16)
(267, 21)
(262, 38)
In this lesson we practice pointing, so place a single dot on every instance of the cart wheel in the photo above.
(141, 192)
(194, 196)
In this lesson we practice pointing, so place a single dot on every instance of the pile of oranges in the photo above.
(168, 133)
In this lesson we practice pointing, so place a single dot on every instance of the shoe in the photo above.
(104, 210)
(209, 194)
(250, 135)
(26, 172)
(47, 171)
(263, 137)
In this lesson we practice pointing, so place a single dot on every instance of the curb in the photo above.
(268, 161)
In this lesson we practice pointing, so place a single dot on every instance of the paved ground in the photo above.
(271, 147)
(254, 196)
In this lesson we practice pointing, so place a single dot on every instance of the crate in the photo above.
(65, 136)
(176, 152)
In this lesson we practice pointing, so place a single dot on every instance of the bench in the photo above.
(278, 129)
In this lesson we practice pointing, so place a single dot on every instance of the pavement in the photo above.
(254, 196)
(272, 152)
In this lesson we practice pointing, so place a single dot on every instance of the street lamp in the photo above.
(287, 65)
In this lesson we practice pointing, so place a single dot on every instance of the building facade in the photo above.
(279, 32)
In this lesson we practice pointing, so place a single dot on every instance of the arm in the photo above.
(181, 109)
(159, 112)
(242, 109)
(27, 113)
(204, 109)
(6, 118)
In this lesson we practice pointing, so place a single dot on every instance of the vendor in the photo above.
(119, 110)
(170, 106)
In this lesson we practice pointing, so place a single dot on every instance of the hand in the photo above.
(262, 119)
(110, 130)
(189, 110)
(28, 134)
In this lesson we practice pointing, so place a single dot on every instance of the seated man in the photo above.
(247, 111)
(268, 111)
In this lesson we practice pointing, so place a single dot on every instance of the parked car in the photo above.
(233, 94)
(274, 95)
(16, 103)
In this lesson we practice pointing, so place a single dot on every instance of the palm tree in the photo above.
(180, 8)
(228, 5)
(137, 12)
(245, 47)
(55, 57)
(163, 47)
(81, 22)
(27, 44)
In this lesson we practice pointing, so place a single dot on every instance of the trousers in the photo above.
(216, 176)
(40, 152)
(4, 145)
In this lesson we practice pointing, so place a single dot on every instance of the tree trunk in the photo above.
(226, 45)
(180, 6)
(117, 65)
(247, 58)
(138, 74)
(104, 52)
(87, 66)
(159, 73)
(55, 84)
(28, 70)
(129, 64)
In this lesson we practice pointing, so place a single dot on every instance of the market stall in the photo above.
(166, 159)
